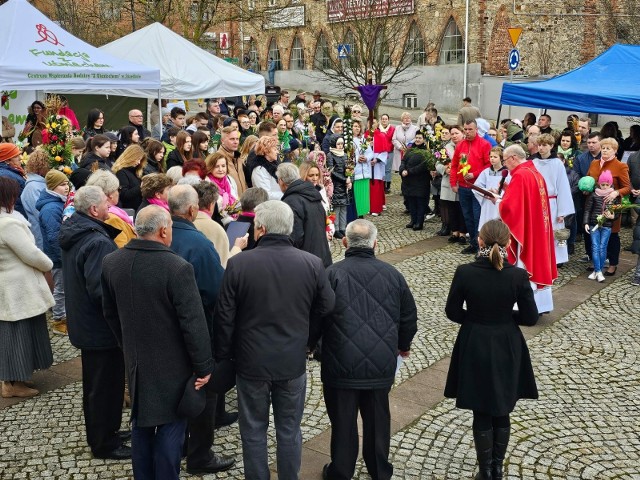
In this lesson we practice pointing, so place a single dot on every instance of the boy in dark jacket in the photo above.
(50, 205)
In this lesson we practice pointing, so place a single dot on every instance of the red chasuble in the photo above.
(525, 210)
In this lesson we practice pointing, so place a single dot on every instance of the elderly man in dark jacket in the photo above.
(309, 217)
(150, 303)
(374, 321)
(415, 182)
(191, 244)
(85, 240)
(262, 320)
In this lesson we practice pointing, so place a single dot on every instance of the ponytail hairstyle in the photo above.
(495, 234)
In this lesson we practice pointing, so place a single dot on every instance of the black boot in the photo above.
(500, 442)
(444, 231)
(483, 441)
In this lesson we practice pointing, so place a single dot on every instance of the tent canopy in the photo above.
(607, 84)
(37, 54)
(186, 71)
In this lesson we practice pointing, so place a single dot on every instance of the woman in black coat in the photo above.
(490, 365)
(415, 182)
(129, 168)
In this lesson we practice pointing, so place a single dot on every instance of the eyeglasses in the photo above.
(137, 116)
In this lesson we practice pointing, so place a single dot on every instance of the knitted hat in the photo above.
(605, 177)
(8, 151)
(55, 178)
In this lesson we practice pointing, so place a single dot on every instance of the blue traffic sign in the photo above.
(344, 50)
(514, 59)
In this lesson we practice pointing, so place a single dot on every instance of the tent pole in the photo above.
(160, 114)
(499, 112)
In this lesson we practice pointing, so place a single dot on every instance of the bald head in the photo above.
(154, 223)
(183, 199)
(361, 234)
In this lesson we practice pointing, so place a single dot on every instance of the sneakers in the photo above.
(17, 389)
(375, 214)
(592, 276)
(636, 282)
(600, 277)
(59, 327)
(429, 216)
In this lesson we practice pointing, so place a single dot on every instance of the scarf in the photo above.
(19, 170)
(603, 192)
(121, 214)
(384, 129)
(337, 152)
(270, 167)
(224, 187)
(159, 202)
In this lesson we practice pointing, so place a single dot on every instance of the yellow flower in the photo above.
(47, 125)
(54, 125)
(58, 158)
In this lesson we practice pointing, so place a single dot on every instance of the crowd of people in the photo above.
(131, 249)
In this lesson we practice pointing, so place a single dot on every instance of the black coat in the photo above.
(152, 166)
(85, 242)
(309, 220)
(375, 316)
(130, 194)
(264, 309)
(490, 365)
(416, 183)
(337, 166)
(80, 176)
(174, 159)
(150, 303)
(594, 206)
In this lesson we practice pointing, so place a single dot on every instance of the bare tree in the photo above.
(378, 43)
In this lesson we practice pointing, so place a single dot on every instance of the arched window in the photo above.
(414, 53)
(322, 60)
(274, 53)
(452, 48)
(381, 50)
(296, 60)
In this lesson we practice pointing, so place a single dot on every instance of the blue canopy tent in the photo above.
(609, 84)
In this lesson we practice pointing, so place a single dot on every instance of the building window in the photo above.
(351, 60)
(452, 48)
(296, 61)
(275, 53)
(381, 50)
(415, 53)
(322, 59)
(253, 55)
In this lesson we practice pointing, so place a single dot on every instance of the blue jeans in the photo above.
(599, 241)
(471, 213)
(156, 451)
(387, 168)
(254, 399)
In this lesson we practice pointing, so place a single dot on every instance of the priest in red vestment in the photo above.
(525, 209)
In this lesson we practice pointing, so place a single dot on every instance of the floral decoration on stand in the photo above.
(56, 137)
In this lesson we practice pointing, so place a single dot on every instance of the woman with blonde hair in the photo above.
(490, 366)
(129, 168)
(118, 218)
(37, 168)
(266, 163)
(247, 146)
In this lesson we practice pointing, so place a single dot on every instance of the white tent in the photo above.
(186, 71)
(37, 54)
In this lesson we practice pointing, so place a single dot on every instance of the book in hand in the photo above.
(236, 230)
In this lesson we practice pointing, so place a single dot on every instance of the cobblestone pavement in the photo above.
(585, 425)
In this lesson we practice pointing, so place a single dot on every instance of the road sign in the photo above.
(514, 33)
(514, 59)
(344, 50)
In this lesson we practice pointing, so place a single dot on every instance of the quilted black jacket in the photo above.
(374, 317)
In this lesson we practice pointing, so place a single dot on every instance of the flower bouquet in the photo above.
(56, 137)
(615, 209)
